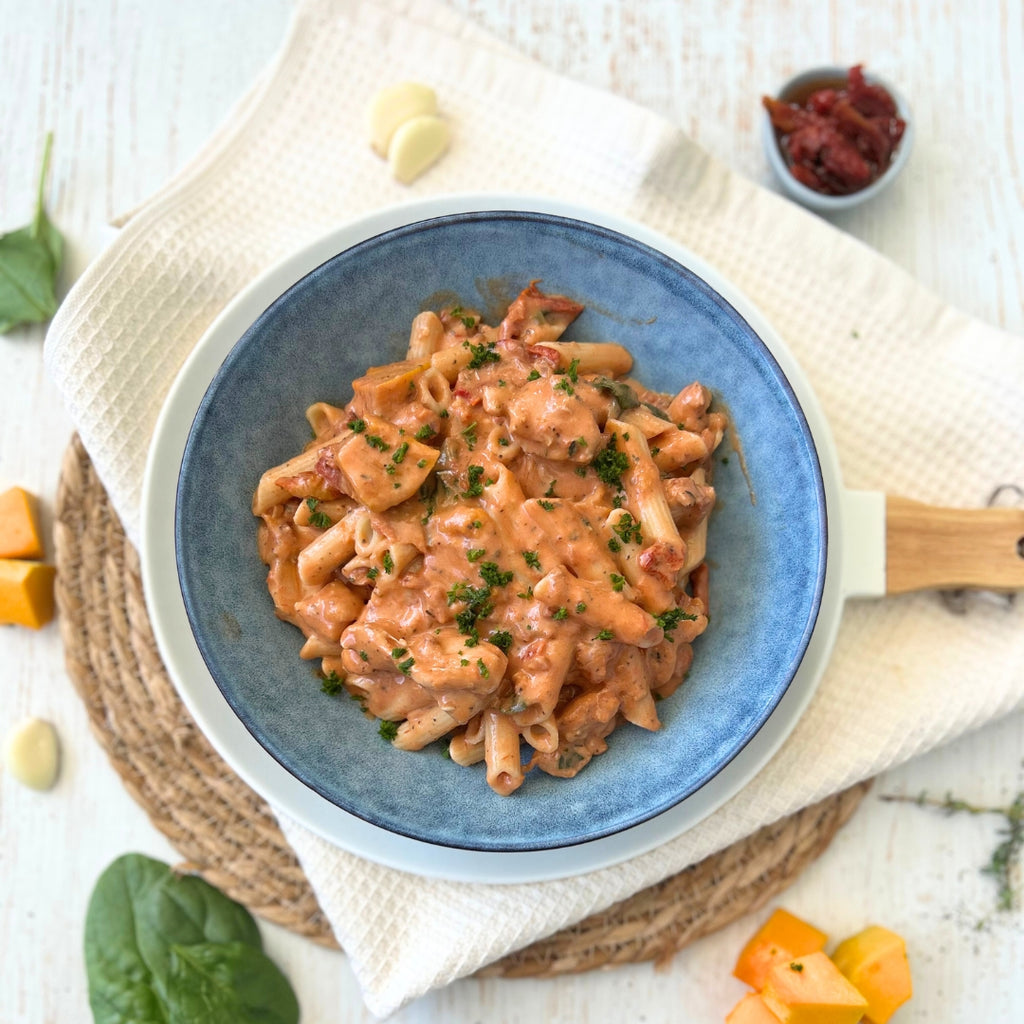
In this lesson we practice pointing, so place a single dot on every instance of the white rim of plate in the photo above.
(286, 794)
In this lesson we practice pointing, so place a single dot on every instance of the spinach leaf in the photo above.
(214, 982)
(142, 927)
(622, 393)
(29, 262)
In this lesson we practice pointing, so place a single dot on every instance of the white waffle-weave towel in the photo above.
(892, 367)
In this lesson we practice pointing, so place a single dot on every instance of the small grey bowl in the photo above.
(819, 201)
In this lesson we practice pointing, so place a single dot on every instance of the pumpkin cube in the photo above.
(875, 962)
(811, 990)
(751, 1010)
(26, 592)
(19, 525)
(783, 937)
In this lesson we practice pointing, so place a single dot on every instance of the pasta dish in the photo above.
(499, 540)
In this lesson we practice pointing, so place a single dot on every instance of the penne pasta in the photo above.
(499, 541)
(425, 335)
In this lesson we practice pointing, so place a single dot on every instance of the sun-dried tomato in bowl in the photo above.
(837, 135)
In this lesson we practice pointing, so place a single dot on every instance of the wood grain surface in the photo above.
(132, 88)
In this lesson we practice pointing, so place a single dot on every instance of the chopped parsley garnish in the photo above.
(614, 545)
(405, 666)
(397, 652)
(482, 668)
(478, 604)
(389, 563)
(364, 656)
(564, 385)
(332, 684)
(356, 426)
(561, 613)
(550, 492)
(573, 371)
(527, 594)
(504, 442)
(581, 607)
(475, 554)
(628, 529)
(372, 573)
(618, 582)
(668, 620)
(470, 435)
(502, 639)
(424, 432)
(400, 452)
(321, 520)
(610, 464)
(532, 559)
(388, 730)
(548, 506)
(469, 321)
(421, 464)
(534, 375)
(378, 442)
(493, 576)
(581, 470)
(476, 487)
(482, 354)
(605, 634)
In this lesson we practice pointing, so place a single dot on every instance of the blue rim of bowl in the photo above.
(648, 251)
(820, 201)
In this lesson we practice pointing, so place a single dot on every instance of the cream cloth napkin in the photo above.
(923, 401)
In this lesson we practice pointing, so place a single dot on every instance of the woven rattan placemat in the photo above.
(226, 833)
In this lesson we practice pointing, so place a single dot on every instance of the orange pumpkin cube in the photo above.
(19, 525)
(811, 990)
(783, 937)
(751, 1010)
(875, 962)
(26, 592)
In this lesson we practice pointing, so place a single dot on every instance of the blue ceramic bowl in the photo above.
(767, 543)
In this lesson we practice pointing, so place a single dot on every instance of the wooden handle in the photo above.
(928, 547)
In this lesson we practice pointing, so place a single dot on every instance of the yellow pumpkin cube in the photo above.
(19, 525)
(811, 990)
(783, 937)
(875, 962)
(751, 1010)
(26, 592)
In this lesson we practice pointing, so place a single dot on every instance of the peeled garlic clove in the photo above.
(391, 107)
(415, 146)
(31, 754)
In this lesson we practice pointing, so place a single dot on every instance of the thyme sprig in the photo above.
(1003, 862)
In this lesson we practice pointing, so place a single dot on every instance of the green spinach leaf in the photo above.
(622, 393)
(29, 263)
(142, 928)
(214, 982)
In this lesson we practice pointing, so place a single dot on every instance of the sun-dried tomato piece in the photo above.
(840, 137)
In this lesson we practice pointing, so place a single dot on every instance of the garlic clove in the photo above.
(416, 145)
(392, 107)
(32, 753)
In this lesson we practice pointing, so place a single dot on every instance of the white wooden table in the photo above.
(131, 88)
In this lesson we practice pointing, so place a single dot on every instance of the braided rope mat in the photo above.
(227, 833)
